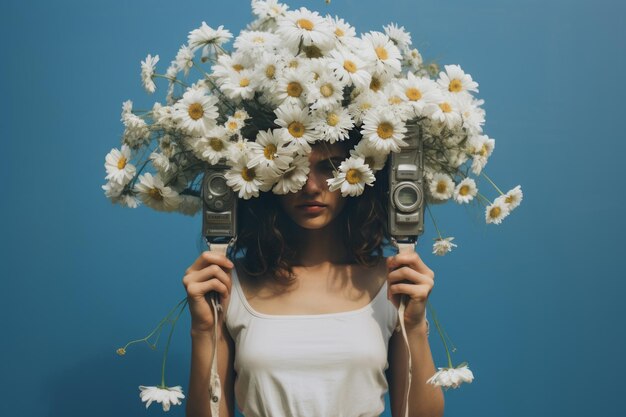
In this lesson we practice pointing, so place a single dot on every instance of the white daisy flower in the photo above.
(451, 377)
(113, 191)
(306, 27)
(136, 132)
(238, 149)
(496, 212)
(163, 116)
(167, 396)
(441, 186)
(513, 197)
(155, 194)
(296, 125)
(397, 103)
(473, 116)
(233, 125)
(294, 178)
(373, 158)
(267, 71)
(349, 68)
(183, 60)
(455, 80)
(413, 59)
(241, 114)
(382, 53)
(447, 111)
(351, 178)
(443, 246)
(332, 125)
(363, 103)
(147, 71)
(196, 112)
(480, 147)
(162, 163)
(343, 31)
(244, 180)
(254, 41)
(325, 92)
(205, 36)
(419, 92)
(270, 153)
(400, 37)
(269, 8)
(229, 64)
(213, 146)
(292, 87)
(239, 85)
(465, 191)
(383, 130)
(118, 166)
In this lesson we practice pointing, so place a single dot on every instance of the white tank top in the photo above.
(310, 365)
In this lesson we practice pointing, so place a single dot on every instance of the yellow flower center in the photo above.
(385, 130)
(365, 106)
(375, 84)
(445, 107)
(353, 176)
(296, 129)
(483, 150)
(349, 66)
(327, 90)
(455, 86)
(395, 100)
(237, 67)
(509, 199)
(121, 351)
(332, 119)
(413, 94)
(339, 32)
(248, 174)
(155, 194)
(270, 71)
(305, 24)
(294, 89)
(232, 125)
(293, 64)
(244, 82)
(195, 111)
(258, 39)
(441, 187)
(381, 53)
(464, 190)
(216, 144)
(494, 213)
(269, 151)
(121, 163)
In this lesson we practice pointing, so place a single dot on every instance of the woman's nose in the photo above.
(312, 184)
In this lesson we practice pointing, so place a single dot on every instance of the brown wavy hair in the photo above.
(266, 231)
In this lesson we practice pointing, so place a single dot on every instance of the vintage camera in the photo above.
(406, 188)
(219, 206)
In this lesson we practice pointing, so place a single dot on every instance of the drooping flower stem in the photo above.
(439, 330)
(484, 198)
(172, 79)
(492, 183)
(158, 327)
(167, 346)
(433, 219)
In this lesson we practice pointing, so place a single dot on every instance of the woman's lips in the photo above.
(311, 208)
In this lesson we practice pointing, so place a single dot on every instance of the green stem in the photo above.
(167, 346)
(484, 198)
(439, 330)
(172, 79)
(492, 183)
(433, 219)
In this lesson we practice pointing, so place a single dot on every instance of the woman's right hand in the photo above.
(207, 273)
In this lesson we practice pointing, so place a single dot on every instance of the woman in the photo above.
(304, 308)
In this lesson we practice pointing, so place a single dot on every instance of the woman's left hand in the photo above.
(408, 274)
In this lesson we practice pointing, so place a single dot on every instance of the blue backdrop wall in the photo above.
(532, 304)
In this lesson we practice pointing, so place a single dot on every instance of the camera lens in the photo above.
(406, 197)
(218, 185)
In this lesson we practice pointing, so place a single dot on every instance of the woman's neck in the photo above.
(320, 247)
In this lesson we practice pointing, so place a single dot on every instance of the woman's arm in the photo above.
(198, 400)
(425, 400)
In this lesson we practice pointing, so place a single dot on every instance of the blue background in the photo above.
(532, 304)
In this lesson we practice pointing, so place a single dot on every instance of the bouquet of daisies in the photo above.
(293, 78)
